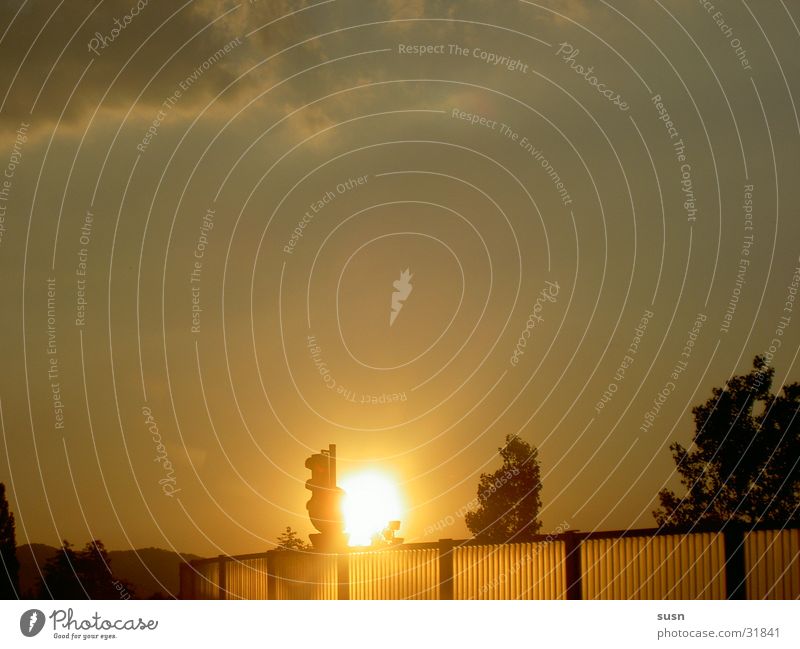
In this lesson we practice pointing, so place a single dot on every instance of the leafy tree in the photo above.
(97, 576)
(85, 574)
(60, 578)
(289, 540)
(9, 565)
(508, 500)
(742, 465)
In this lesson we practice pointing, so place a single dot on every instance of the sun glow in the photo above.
(371, 500)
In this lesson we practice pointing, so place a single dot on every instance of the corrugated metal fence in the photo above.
(631, 564)
(510, 571)
(410, 574)
(690, 566)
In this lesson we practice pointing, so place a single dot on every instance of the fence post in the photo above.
(446, 568)
(735, 571)
(272, 578)
(221, 588)
(186, 582)
(572, 565)
(343, 575)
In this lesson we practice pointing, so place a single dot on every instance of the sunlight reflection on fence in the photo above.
(772, 562)
(406, 574)
(676, 566)
(512, 571)
(630, 564)
(206, 582)
(301, 575)
(246, 578)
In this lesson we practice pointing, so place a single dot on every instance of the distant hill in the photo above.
(134, 566)
(31, 556)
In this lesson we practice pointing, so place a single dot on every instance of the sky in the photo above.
(207, 209)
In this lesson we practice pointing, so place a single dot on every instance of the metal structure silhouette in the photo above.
(325, 506)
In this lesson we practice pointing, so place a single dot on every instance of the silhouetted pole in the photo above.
(446, 568)
(222, 592)
(343, 576)
(573, 568)
(735, 569)
(272, 574)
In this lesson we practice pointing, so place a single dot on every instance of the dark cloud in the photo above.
(146, 47)
(137, 47)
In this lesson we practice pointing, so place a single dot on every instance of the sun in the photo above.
(371, 500)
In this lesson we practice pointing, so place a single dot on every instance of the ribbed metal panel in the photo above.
(772, 564)
(635, 567)
(512, 571)
(304, 575)
(206, 584)
(654, 567)
(395, 574)
(246, 578)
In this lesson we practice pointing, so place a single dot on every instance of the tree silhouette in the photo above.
(9, 565)
(289, 540)
(60, 576)
(509, 500)
(742, 465)
(85, 574)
